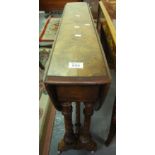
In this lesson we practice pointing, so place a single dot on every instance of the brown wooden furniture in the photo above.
(107, 33)
(50, 5)
(77, 72)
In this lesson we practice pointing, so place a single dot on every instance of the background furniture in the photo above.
(50, 5)
(55, 5)
(46, 109)
(106, 29)
(107, 33)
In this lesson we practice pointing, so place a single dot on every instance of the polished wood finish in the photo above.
(84, 93)
(88, 111)
(69, 136)
(88, 84)
(80, 47)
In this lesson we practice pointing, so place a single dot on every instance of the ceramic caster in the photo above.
(58, 152)
(92, 152)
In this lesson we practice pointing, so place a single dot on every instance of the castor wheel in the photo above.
(92, 152)
(59, 152)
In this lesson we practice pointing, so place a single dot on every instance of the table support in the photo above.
(85, 136)
(82, 137)
(69, 137)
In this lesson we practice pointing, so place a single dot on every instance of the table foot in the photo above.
(62, 146)
(59, 152)
(77, 145)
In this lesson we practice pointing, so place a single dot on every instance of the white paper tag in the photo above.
(87, 24)
(77, 35)
(76, 27)
(77, 15)
(75, 65)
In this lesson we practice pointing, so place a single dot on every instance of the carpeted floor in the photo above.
(44, 52)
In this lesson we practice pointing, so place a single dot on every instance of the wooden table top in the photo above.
(77, 50)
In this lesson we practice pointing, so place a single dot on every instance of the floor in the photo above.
(99, 127)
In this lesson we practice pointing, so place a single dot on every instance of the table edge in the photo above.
(77, 80)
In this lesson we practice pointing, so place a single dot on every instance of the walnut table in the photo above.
(77, 72)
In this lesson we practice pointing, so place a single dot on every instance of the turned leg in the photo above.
(69, 137)
(88, 111)
(85, 135)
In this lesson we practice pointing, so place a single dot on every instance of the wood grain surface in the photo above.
(77, 41)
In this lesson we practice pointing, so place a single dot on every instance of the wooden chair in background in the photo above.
(107, 34)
